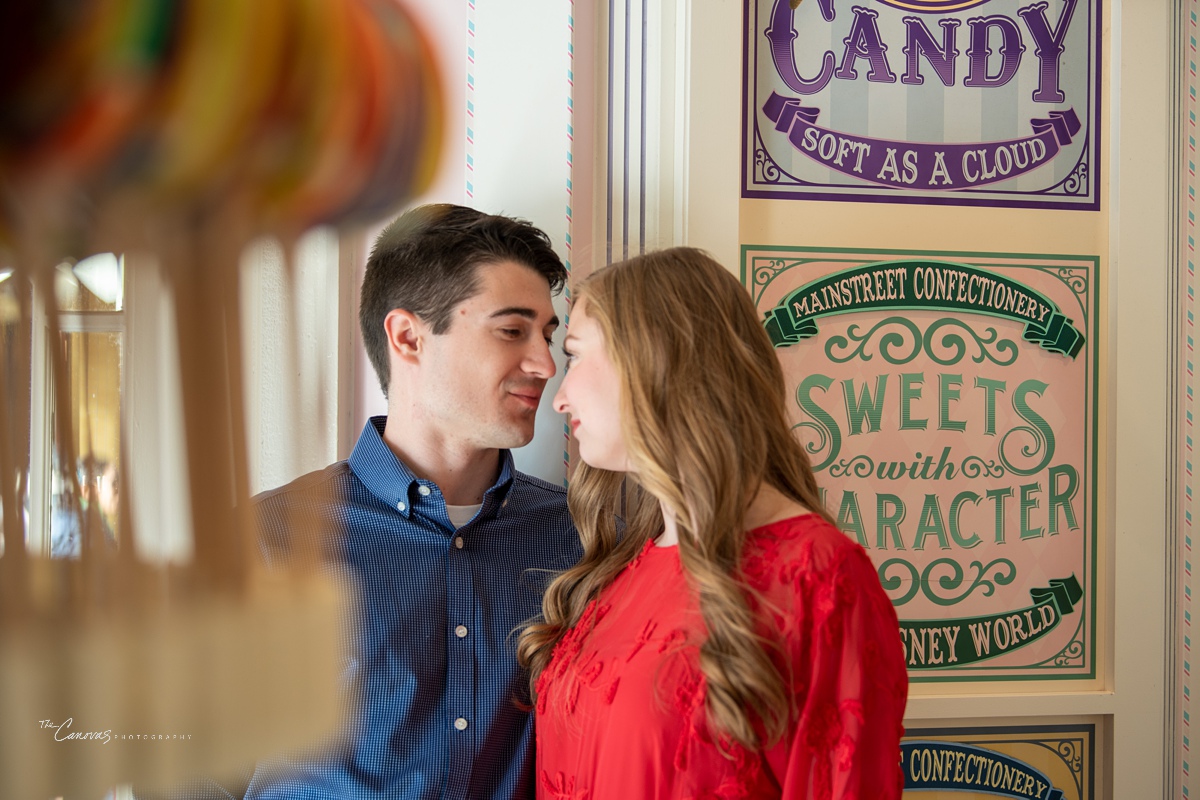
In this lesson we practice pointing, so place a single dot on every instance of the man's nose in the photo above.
(539, 360)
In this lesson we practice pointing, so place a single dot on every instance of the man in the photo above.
(450, 545)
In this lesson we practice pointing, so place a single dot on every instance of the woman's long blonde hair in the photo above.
(705, 424)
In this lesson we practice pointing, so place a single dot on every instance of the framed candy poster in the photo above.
(964, 102)
(1022, 762)
(948, 403)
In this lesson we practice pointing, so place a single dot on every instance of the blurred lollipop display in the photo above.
(183, 129)
(324, 111)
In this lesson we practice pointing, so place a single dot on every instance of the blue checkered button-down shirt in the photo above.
(432, 661)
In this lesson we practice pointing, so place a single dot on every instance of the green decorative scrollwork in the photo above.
(975, 467)
(1041, 445)
(766, 270)
(764, 273)
(1073, 653)
(1076, 280)
(860, 466)
(890, 340)
(1002, 570)
(952, 582)
(892, 583)
(934, 341)
(815, 448)
(1006, 349)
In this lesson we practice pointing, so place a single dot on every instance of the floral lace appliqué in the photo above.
(675, 638)
(643, 639)
(561, 787)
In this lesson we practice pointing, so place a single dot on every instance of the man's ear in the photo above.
(406, 334)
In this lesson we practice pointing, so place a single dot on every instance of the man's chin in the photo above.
(510, 438)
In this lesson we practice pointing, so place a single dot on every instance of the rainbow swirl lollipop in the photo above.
(322, 111)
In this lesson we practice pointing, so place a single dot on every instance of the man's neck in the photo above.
(463, 473)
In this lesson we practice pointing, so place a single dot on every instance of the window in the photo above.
(75, 436)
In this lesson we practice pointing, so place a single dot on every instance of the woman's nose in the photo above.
(560, 397)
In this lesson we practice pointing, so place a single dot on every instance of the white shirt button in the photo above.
(460, 724)
(461, 631)
(401, 505)
(458, 542)
(423, 490)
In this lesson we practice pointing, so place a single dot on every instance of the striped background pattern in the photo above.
(570, 199)
(1183, 622)
(470, 144)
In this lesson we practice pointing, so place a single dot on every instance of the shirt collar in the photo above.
(390, 479)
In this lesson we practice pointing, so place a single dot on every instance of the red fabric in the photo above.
(620, 709)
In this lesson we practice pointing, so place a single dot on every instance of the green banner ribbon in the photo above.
(917, 285)
(940, 643)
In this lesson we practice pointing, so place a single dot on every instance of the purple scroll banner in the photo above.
(913, 164)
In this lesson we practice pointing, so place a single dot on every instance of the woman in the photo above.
(727, 641)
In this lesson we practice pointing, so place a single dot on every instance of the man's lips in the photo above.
(530, 399)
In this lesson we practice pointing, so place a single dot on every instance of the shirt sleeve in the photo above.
(849, 685)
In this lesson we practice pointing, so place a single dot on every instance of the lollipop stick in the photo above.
(200, 270)
(14, 465)
(226, 235)
(304, 523)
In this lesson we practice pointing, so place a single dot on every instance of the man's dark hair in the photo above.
(427, 262)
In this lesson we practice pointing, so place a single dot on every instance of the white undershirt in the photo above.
(461, 515)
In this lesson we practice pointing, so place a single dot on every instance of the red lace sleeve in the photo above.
(847, 674)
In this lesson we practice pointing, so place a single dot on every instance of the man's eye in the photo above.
(511, 333)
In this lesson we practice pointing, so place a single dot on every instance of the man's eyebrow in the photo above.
(522, 311)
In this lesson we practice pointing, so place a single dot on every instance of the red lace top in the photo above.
(620, 708)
